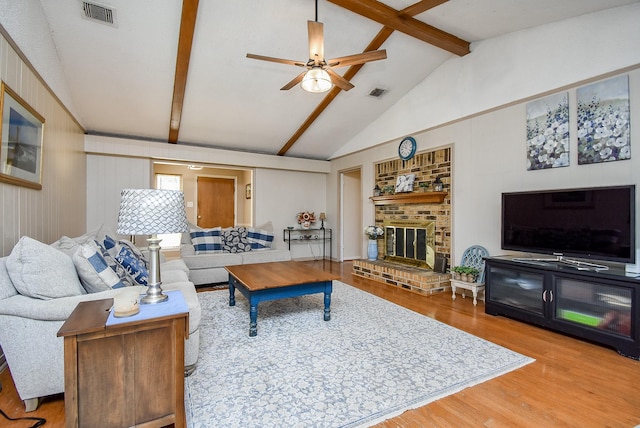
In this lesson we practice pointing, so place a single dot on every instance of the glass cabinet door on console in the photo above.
(517, 288)
(602, 307)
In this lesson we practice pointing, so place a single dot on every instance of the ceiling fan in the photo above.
(319, 76)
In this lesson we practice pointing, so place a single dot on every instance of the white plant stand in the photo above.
(474, 287)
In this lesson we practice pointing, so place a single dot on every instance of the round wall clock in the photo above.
(407, 148)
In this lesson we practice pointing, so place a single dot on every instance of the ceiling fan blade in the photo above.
(339, 81)
(316, 41)
(294, 82)
(278, 60)
(357, 58)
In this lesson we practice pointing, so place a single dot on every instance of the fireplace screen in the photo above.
(410, 242)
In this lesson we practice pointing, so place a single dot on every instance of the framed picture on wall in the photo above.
(22, 130)
(247, 191)
(604, 115)
(548, 132)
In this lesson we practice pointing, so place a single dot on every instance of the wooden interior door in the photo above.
(216, 202)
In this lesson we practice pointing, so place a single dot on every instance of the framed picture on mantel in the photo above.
(404, 183)
(22, 130)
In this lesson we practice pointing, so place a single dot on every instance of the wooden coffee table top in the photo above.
(261, 276)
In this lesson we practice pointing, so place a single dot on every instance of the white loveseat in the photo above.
(40, 286)
(251, 245)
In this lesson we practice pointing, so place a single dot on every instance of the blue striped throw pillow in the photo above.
(95, 275)
(259, 239)
(206, 240)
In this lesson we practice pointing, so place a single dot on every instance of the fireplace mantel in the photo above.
(410, 198)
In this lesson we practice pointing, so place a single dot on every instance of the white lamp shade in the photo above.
(151, 211)
(316, 80)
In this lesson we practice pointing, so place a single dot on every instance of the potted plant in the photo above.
(457, 272)
(472, 273)
(465, 273)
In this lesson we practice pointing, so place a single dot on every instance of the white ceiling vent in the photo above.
(99, 13)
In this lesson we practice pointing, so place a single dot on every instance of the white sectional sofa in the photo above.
(206, 266)
(40, 285)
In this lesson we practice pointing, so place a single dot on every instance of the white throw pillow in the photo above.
(268, 226)
(66, 245)
(40, 271)
(93, 270)
(6, 287)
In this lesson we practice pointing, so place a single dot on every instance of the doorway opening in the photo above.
(351, 229)
(193, 175)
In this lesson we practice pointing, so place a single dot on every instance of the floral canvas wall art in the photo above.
(548, 132)
(603, 121)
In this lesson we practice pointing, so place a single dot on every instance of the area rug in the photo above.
(372, 361)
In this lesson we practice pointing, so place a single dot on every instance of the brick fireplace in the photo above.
(417, 224)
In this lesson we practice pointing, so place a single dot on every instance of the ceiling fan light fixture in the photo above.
(316, 81)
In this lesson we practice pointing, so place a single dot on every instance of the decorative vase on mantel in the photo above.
(372, 250)
(306, 225)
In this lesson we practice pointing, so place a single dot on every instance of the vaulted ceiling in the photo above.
(176, 71)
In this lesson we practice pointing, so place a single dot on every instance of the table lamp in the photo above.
(149, 212)
(323, 217)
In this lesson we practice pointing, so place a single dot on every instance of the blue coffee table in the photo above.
(262, 282)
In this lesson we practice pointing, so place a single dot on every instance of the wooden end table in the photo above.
(262, 282)
(126, 374)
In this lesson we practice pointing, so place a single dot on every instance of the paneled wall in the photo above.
(59, 208)
(281, 186)
(106, 177)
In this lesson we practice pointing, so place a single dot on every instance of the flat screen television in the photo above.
(591, 223)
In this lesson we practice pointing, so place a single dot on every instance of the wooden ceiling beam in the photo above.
(375, 44)
(404, 23)
(187, 29)
(421, 6)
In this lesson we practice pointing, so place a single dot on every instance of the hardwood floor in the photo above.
(572, 383)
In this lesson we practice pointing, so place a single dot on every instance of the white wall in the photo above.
(281, 195)
(25, 21)
(477, 103)
(489, 157)
(511, 68)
